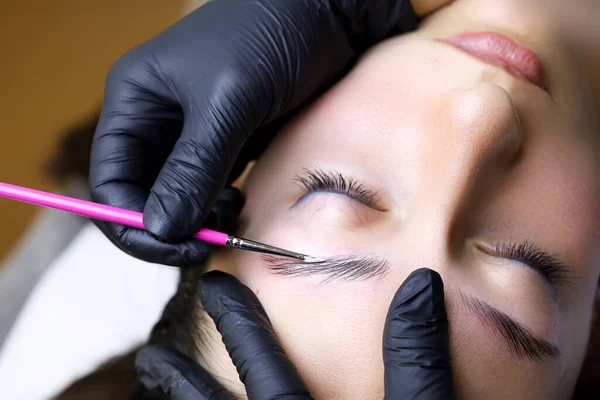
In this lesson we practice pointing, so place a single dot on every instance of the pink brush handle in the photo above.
(94, 210)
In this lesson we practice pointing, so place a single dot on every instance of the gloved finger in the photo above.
(262, 364)
(142, 245)
(138, 127)
(194, 173)
(175, 375)
(415, 341)
(193, 252)
(140, 123)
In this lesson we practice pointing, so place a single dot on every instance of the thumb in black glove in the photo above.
(222, 217)
(415, 340)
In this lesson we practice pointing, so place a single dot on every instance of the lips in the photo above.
(500, 51)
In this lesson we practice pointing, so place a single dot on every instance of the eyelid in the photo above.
(318, 180)
(550, 267)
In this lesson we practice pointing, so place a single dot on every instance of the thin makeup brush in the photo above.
(133, 219)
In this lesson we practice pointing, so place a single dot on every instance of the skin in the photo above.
(462, 155)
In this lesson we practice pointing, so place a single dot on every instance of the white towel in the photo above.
(93, 302)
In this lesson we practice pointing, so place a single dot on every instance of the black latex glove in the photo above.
(179, 108)
(415, 347)
(415, 340)
(222, 217)
(263, 366)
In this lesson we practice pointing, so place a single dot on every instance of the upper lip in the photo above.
(496, 49)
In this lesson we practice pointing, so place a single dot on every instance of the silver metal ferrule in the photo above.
(251, 245)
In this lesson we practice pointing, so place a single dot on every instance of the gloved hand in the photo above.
(415, 347)
(222, 217)
(179, 109)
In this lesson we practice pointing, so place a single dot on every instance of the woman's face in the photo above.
(425, 156)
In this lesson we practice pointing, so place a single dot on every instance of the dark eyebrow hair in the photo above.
(521, 341)
(344, 268)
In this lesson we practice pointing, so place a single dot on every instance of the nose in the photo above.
(474, 141)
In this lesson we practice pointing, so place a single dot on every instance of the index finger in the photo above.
(248, 335)
(415, 341)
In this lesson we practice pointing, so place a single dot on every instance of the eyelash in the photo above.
(317, 180)
(332, 181)
(553, 270)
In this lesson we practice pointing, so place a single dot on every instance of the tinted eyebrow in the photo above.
(521, 341)
(343, 268)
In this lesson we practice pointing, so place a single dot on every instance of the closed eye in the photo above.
(318, 180)
(549, 266)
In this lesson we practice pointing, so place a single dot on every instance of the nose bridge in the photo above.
(476, 134)
(481, 132)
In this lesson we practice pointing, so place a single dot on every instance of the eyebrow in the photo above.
(521, 341)
(343, 268)
(552, 268)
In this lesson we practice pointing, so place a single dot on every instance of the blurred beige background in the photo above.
(55, 56)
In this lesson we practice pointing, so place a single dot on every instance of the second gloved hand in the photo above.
(415, 347)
